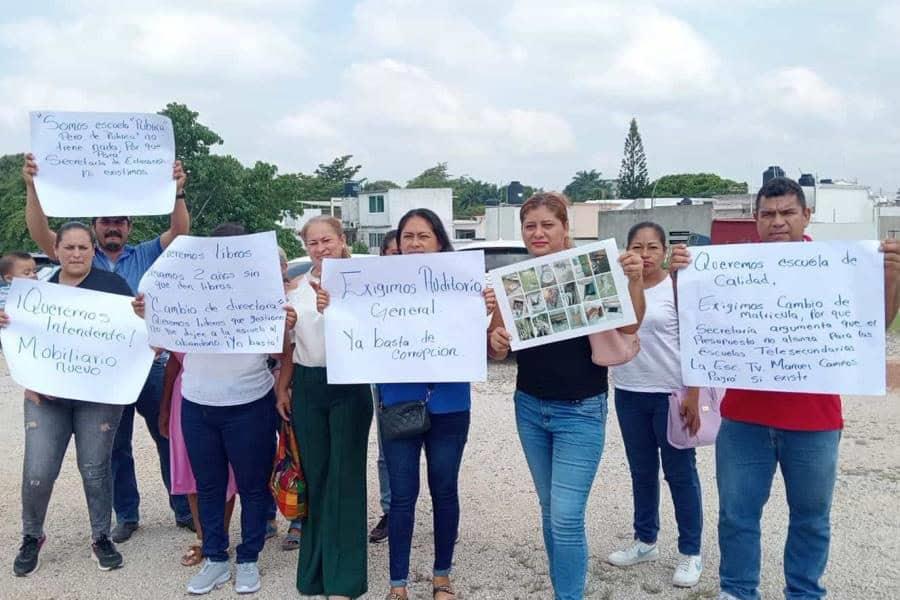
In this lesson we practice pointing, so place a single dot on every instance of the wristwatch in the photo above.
(179, 195)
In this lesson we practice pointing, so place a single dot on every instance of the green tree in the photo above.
(696, 185)
(633, 180)
(336, 173)
(470, 195)
(379, 185)
(588, 185)
(433, 177)
(13, 234)
(192, 138)
(359, 248)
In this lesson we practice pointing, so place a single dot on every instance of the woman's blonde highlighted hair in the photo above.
(333, 223)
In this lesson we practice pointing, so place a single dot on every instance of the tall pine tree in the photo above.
(633, 180)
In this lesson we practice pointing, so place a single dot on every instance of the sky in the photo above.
(504, 90)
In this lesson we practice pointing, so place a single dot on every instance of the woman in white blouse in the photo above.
(332, 426)
(642, 388)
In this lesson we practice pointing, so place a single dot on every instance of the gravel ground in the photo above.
(500, 553)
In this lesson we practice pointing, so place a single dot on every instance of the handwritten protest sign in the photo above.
(412, 318)
(68, 342)
(798, 317)
(219, 295)
(103, 164)
(564, 295)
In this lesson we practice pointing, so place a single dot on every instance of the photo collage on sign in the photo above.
(563, 295)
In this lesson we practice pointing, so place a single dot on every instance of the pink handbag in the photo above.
(710, 419)
(612, 348)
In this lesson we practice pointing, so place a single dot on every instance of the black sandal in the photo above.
(442, 588)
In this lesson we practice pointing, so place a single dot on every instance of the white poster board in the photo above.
(103, 164)
(68, 342)
(216, 295)
(793, 317)
(564, 295)
(402, 319)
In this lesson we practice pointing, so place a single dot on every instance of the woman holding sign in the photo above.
(227, 421)
(642, 393)
(448, 404)
(561, 406)
(50, 422)
(332, 426)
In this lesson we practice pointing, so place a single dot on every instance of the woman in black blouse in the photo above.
(561, 406)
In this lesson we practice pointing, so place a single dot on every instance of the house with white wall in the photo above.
(841, 211)
(369, 216)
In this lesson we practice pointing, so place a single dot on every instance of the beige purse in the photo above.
(612, 348)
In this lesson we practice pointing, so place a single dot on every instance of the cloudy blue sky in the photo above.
(508, 89)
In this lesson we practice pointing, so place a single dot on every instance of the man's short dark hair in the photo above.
(94, 219)
(228, 230)
(780, 186)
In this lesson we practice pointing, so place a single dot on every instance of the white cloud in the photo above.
(433, 31)
(661, 58)
(524, 89)
(802, 93)
(130, 47)
(387, 106)
(630, 51)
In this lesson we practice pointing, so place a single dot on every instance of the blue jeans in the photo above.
(444, 443)
(746, 458)
(563, 443)
(241, 435)
(643, 419)
(126, 498)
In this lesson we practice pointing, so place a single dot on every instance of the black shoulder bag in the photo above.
(405, 420)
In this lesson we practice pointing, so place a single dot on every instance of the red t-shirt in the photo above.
(784, 410)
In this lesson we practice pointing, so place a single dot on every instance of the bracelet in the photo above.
(179, 196)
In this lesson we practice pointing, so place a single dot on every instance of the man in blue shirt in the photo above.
(113, 253)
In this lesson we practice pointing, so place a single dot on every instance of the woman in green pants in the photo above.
(332, 426)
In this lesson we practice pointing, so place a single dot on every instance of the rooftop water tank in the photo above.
(771, 173)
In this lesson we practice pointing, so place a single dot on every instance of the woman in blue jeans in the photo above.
(561, 406)
(421, 231)
(642, 393)
(228, 417)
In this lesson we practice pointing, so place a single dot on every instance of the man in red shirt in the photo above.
(762, 430)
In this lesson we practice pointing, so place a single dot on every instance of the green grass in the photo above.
(895, 326)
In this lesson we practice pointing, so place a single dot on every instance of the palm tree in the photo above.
(587, 185)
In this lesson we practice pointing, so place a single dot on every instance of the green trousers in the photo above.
(332, 426)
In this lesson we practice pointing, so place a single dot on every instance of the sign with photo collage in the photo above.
(563, 295)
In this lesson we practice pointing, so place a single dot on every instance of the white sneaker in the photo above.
(638, 553)
(211, 575)
(246, 581)
(688, 571)
(726, 596)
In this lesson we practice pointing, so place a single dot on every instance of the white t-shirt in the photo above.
(657, 367)
(308, 334)
(225, 379)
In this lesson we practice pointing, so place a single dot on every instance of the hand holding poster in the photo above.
(219, 295)
(799, 317)
(401, 319)
(100, 164)
(67, 342)
(564, 295)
